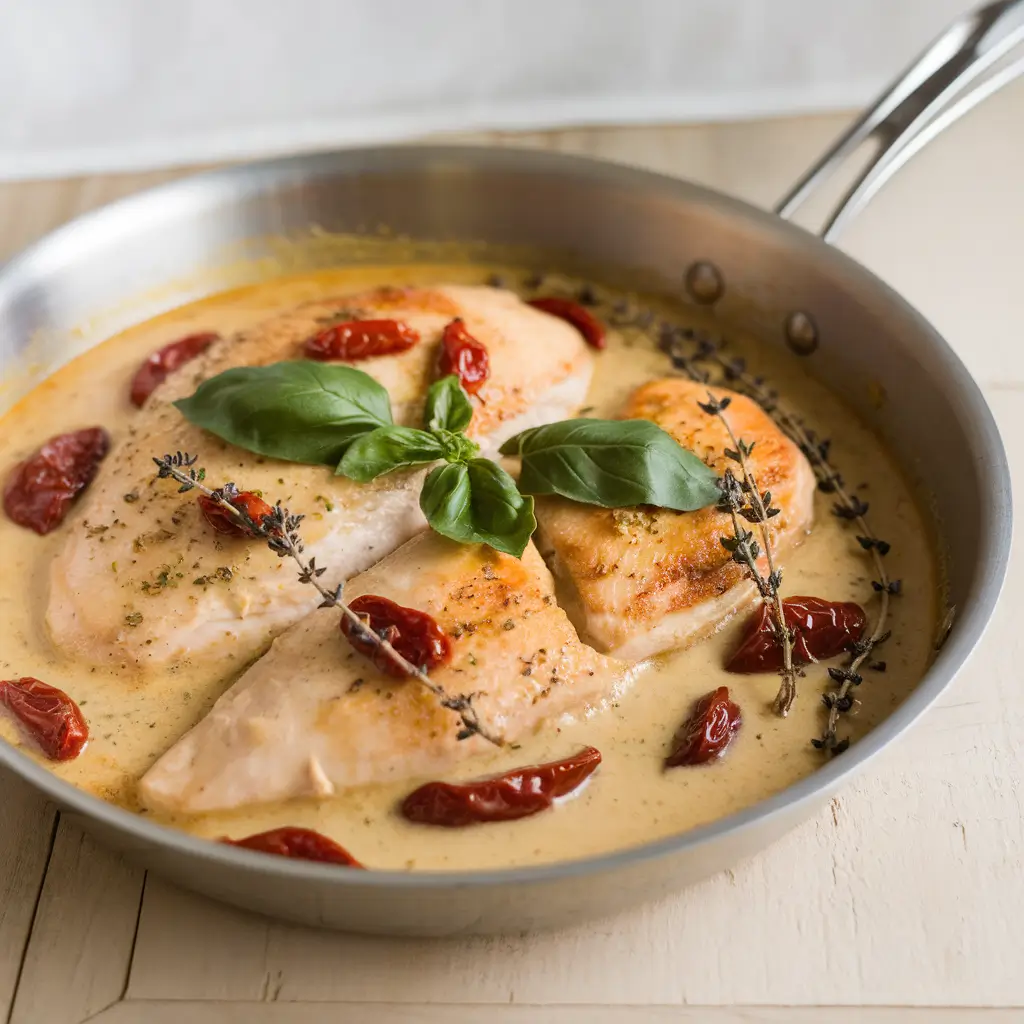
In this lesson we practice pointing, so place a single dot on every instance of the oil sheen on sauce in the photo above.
(631, 799)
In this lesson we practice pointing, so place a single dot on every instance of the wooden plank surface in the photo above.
(27, 824)
(906, 892)
(79, 953)
(174, 1012)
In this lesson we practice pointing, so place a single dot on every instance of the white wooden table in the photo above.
(904, 902)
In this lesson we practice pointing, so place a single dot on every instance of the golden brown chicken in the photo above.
(314, 716)
(640, 581)
(145, 580)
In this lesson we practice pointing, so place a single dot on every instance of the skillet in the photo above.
(144, 254)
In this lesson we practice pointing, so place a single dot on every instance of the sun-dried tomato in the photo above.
(164, 361)
(573, 313)
(49, 715)
(353, 340)
(40, 490)
(224, 522)
(413, 634)
(298, 844)
(515, 794)
(715, 720)
(464, 356)
(821, 630)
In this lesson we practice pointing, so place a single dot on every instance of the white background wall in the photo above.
(95, 85)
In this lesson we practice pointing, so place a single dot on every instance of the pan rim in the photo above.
(986, 583)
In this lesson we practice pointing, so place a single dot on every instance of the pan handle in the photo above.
(942, 85)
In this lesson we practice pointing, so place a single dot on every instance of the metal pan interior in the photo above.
(160, 248)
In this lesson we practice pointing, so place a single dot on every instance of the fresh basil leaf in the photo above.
(448, 407)
(478, 503)
(301, 412)
(612, 463)
(457, 447)
(386, 449)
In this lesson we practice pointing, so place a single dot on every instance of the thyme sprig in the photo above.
(693, 352)
(280, 529)
(847, 507)
(743, 498)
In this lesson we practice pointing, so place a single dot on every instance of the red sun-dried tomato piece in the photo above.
(821, 630)
(573, 313)
(361, 339)
(222, 520)
(715, 720)
(413, 634)
(515, 794)
(298, 844)
(164, 361)
(49, 715)
(40, 490)
(464, 356)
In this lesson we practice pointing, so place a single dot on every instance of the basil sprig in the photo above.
(386, 449)
(470, 500)
(446, 415)
(447, 407)
(612, 463)
(324, 413)
(301, 411)
(477, 502)
(335, 415)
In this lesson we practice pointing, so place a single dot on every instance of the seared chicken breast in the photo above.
(637, 582)
(144, 579)
(314, 716)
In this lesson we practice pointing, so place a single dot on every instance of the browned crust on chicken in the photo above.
(314, 715)
(630, 569)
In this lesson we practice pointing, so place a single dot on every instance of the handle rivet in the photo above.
(704, 283)
(801, 333)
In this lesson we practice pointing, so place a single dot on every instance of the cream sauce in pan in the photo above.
(632, 799)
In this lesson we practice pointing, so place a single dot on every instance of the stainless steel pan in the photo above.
(782, 282)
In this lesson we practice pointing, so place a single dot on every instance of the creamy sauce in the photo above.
(631, 800)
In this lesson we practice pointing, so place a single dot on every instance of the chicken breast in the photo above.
(144, 578)
(313, 716)
(636, 581)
